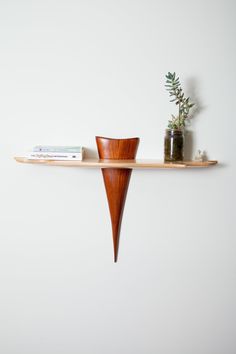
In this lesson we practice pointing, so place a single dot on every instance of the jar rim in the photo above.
(172, 132)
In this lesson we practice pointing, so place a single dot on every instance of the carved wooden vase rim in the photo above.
(104, 137)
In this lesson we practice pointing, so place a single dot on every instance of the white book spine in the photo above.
(55, 156)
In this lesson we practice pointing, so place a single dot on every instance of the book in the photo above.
(55, 156)
(63, 149)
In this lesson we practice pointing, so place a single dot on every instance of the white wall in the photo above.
(71, 70)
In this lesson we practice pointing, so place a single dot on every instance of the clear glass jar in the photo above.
(174, 145)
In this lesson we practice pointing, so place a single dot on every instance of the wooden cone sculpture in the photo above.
(116, 180)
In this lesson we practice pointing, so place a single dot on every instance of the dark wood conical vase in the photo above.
(116, 180)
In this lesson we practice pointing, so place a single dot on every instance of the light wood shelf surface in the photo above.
(134, 164)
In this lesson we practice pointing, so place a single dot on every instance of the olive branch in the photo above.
(173, 87)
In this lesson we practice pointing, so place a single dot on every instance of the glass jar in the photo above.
(174, 145)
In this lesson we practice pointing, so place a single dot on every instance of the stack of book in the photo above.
(44, 152)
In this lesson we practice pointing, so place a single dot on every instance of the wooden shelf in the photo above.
(134, 164)
(117, 159)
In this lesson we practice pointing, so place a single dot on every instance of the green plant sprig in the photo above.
(173, 87)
